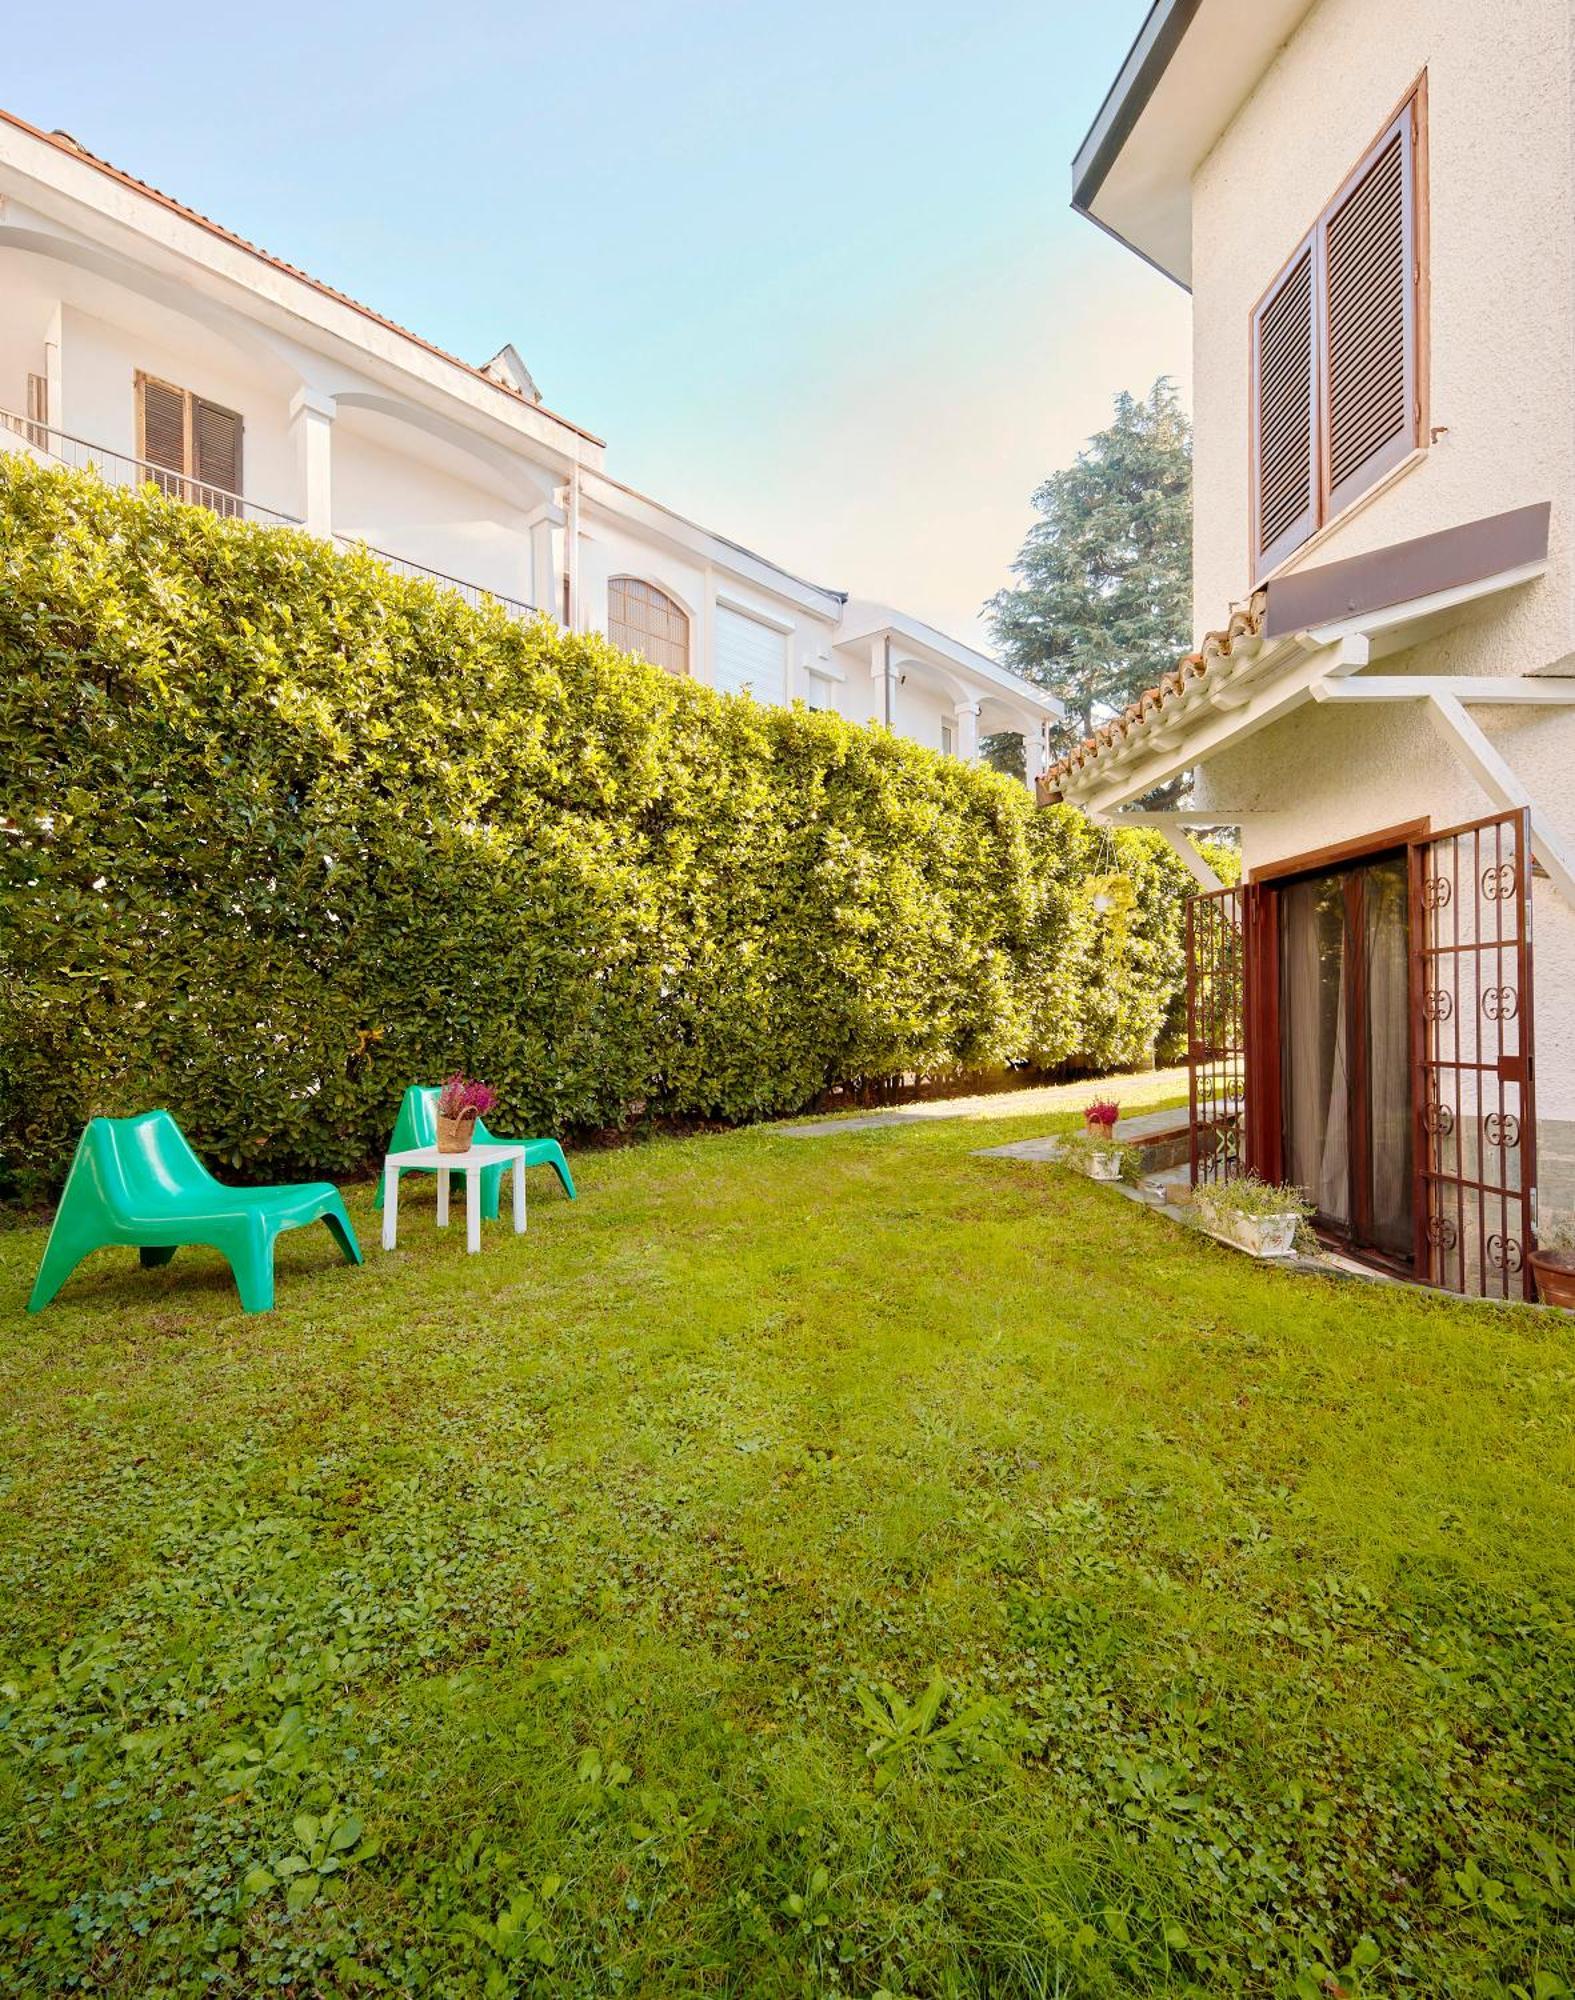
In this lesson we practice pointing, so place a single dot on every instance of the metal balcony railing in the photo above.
(119, 468)
(473, 593)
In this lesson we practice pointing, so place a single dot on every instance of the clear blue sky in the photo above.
(809, 268)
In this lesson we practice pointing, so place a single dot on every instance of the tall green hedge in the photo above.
(284, 832)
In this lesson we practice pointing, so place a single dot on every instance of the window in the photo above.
(644, 620)
(948, 739)
(1336, 346)
(194, 442)
(751, 655)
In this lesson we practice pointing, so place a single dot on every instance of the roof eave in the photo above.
(942, 650)
(1258, 675)
(1150, 55)
(193, 218)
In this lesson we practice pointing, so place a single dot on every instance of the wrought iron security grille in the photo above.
(1476, 1110)
(1216, 1033)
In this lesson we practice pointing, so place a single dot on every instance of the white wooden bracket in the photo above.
(1446, 696)
(1202, 873)
(1488, 766)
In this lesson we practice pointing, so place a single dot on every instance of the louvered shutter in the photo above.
(1368, 321)
(1285, 399)
(216, 447)
(38, 410)
(163, 424)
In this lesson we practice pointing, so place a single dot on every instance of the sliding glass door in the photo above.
(1345, 1061)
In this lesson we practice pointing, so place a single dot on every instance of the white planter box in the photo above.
(1100, 1164)
(1258, 1235)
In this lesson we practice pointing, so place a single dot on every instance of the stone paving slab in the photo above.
(1022, 1149)
(1049, 1147)
(1045, 1097)
(828, 1128)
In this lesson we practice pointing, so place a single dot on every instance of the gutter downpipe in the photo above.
(571, 554)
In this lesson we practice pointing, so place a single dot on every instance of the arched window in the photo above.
(645, 620)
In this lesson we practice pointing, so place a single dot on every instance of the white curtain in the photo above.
(1385, 944)
(1314, 1039)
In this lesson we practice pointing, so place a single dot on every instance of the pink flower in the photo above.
(462, 1097)
(1102, 1111)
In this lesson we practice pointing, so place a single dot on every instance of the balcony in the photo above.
(117, 468)
(50, 446)
(474, 594)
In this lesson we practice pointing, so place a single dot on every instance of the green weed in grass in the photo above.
(799, 1568)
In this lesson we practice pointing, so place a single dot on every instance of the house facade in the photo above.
(148, 341)
(1372, 205)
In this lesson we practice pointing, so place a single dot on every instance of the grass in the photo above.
(802, 1567)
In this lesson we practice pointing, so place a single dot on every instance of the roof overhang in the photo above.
(662, 525)
(96, 207)
(864, 623)
(1192, 67)
(1330, 621)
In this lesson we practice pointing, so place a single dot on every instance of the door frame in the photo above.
(1436, 1178)
(1266, 1121)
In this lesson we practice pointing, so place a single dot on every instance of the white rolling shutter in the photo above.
(751, 657)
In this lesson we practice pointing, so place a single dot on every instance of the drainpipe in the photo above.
(571, 554)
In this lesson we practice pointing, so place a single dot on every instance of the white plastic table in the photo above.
(470, 1165)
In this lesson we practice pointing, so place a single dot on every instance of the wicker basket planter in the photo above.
(454, 1135)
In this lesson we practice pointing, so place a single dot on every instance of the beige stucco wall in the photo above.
(1502, 384)
(1502, 278)
(1328, 773)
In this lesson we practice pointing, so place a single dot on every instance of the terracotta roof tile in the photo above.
(64, 143)
(1218, 645)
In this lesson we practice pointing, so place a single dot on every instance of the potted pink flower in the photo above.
(1100, 1117)
(460, 1103)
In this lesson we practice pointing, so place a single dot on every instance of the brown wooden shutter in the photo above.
(163, 424)
(216, 449)
(1285, 398)
(1338, 347)
(1369, 307)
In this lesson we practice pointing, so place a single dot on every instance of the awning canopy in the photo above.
(1335, 618)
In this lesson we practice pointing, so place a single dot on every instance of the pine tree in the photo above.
(1102, 606)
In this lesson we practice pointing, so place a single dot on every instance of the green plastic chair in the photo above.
(416, 1126)
(136, 1181)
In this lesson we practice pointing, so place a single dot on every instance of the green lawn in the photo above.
(801, 1567)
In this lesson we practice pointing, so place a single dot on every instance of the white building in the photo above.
(1372, 205)
(145, 339)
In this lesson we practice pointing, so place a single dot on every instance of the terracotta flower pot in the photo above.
(1554, 1271)
(455, 1134)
